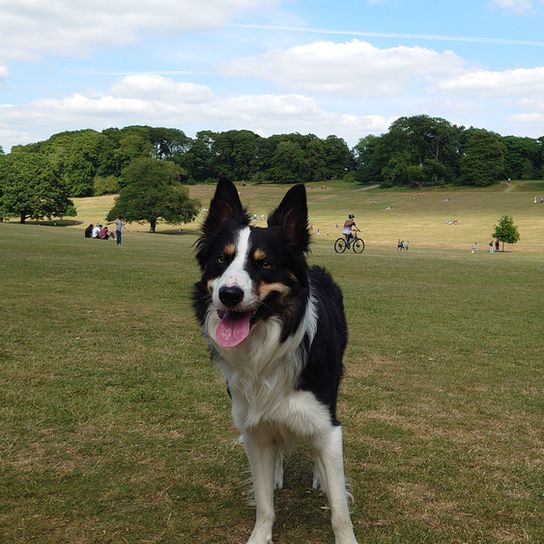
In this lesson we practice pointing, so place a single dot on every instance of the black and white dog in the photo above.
(277, 331)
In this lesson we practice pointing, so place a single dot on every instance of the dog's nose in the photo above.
(231, 296)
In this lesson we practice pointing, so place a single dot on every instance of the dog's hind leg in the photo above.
(329, 461)
(261, 452)
(278, 470)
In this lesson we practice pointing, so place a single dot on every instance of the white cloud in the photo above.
(355, 69)
(160, 101)
(520, 81)
(4, 72)
(30, 28)
(517, 6)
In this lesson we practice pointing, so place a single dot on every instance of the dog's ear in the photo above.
(292, 216)
(225, 206)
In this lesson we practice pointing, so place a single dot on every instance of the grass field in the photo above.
(114, 428)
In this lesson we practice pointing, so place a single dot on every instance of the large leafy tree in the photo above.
(30, 187)
(152, 191)
(522, 157)
(506, 231)
(482, 159)
(287, 164)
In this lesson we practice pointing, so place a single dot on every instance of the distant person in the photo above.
(406, 245)
(118, 229)
(399, 245)
(104, 233)
(491, 247)
(96, 230)
(349, 227)
(474, 248)
(89, 231)
(497, 245)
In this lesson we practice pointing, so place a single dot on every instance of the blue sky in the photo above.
(347, 67)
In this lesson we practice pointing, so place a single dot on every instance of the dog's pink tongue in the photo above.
(233, 329)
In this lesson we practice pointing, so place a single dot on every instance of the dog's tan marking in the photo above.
(230, 249)
(265, 289)
(210, 285)
(259, 255)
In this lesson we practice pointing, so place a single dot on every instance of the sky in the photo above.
(342, 67)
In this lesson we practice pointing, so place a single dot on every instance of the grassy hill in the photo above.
(418, 216)
(114, 427)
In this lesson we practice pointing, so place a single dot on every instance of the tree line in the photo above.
(37, 180)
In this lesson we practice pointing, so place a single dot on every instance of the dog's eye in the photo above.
(267, 265)
(221, 259)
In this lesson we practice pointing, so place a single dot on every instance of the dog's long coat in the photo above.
(276, 330)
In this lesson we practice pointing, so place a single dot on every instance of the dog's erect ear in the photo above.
(225, 205)
(292, 216)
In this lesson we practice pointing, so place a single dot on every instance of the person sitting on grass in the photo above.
(89, 231)
(104, 233)
(96, 230)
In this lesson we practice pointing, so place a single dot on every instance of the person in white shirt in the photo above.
(349, 227)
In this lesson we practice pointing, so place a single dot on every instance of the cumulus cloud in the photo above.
(355, 69)
(520, 81)
(160, 101)
(30, 29)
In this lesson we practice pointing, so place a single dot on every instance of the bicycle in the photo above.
(356, 243)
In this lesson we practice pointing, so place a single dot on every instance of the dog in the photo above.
(276, 329)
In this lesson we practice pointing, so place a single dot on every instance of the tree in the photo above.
(482, 160)
(506, 231)
(287, 164)
(152, 191)
(31, 187)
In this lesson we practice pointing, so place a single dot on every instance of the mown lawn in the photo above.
(114, 427)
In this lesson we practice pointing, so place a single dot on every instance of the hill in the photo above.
(420, 216)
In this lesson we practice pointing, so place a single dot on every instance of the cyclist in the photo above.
(349, 227)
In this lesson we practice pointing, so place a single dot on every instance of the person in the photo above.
(399, 245)
(104, 234)
(96, 230)
(349, 227)
(474, 247)
(497, 245)
(491, 247)
(118, 229)
(89, 231)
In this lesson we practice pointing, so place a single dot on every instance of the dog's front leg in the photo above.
(330, 463)
(261, 452)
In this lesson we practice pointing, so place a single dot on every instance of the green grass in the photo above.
(114, 428)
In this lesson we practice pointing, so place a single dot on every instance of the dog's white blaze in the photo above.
(262, 371)
(236, 275)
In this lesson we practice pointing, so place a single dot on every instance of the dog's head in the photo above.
(250, 273)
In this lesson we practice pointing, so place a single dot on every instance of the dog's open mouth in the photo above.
(233, 328)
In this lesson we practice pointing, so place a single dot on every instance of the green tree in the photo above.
(482, 159)
(152, 191)
(105, 185)
(287, 164)
(370, 159)
(31, 188)
(338, 157)
(522, 157)
(199, 160)
(506, 231)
